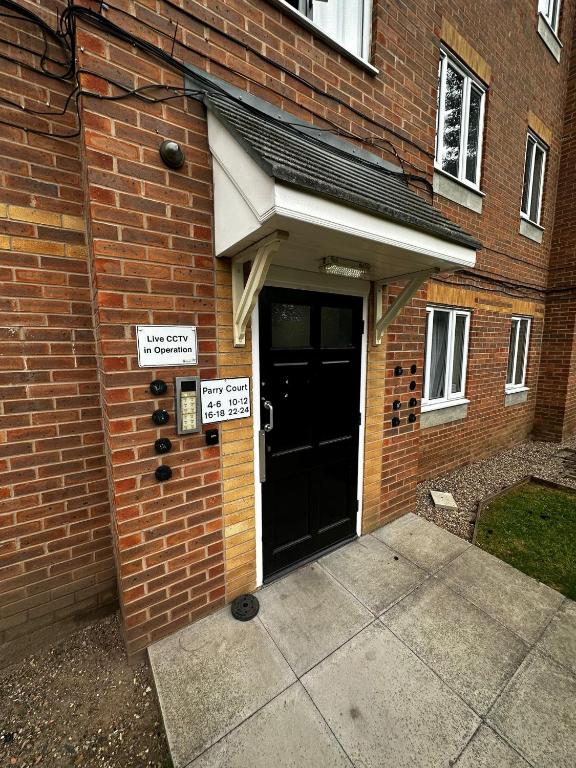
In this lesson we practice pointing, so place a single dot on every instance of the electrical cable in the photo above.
(66, 26)
(47, 32)
(66, 42)
(321, 92)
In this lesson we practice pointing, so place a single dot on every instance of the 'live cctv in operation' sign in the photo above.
(160, 345)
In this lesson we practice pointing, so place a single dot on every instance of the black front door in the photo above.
(310, 351)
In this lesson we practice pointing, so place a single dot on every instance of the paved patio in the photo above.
(405, 648)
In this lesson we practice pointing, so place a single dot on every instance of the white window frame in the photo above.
(450, 398)
(538, 143)
(303, 13)
(511, 386)
(550, 12)
(469, 80)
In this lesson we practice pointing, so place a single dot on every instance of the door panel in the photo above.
(310, 352)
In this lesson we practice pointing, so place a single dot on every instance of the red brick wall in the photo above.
(152, 263)
(556, 411)
(518, 265)
(56, 563)
(255, 46)
(490, 426)
(151, 257)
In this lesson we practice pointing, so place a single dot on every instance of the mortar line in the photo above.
(235, 728)
(395, 602)
(299, 680)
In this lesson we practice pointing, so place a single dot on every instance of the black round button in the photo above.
(412, 418)
(160, 417)
(163, 445)
(395, 421)
(398, 371)
(413, 402)
(163, 473)
(396, 405)
(413, 369)
(158, 387)
(412, 386)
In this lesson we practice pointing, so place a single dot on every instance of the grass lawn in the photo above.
(533, 528)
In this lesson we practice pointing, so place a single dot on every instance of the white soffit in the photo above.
(249, 204)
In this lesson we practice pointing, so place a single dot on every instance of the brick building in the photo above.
(372, 222)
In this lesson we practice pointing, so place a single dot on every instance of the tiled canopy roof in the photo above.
(288, 152)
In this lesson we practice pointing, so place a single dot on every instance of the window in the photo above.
(446, 355)
(550, 9)
(347, 22)
(533, 179)
(518, 353)
(460, 122)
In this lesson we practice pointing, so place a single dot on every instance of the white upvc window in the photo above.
(550, 10)
(460, 122)
(347, 22)
(533, 186)
(446, 356)
(518, 354)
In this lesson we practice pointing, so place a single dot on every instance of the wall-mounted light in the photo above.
(171, 154)
(334, 265)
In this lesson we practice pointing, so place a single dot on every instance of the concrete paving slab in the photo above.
(373, 572)
(210, 677)
(537, 713)
(471, 652)
(559, 638)
(386, 707)
(287, 733)
(521, 603)
(444, 500)
(309, 615)
(422, 542)
(488, 750)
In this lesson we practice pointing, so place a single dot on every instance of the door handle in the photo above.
(269, 407)
(262, 451)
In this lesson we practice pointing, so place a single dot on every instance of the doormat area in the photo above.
(532, 526)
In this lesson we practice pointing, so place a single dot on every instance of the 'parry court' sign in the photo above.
(160, 345)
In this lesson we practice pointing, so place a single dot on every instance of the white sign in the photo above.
(225, 399)
(160, 345)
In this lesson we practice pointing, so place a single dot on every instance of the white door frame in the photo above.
(280, 277)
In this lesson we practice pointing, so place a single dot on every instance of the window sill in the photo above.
(550, 38)
(530, 230)
(311, 27)
(455, 190)
(443, 413)
(427, 407)
(516, 396)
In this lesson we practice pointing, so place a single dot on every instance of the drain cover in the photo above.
(245, 607)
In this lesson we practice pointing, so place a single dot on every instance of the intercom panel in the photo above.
(187, 394)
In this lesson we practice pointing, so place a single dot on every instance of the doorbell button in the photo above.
(163, 473)
(158, 387)
(160, 417)
(212, 437)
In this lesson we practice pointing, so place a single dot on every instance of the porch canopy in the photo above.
(288, 194)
